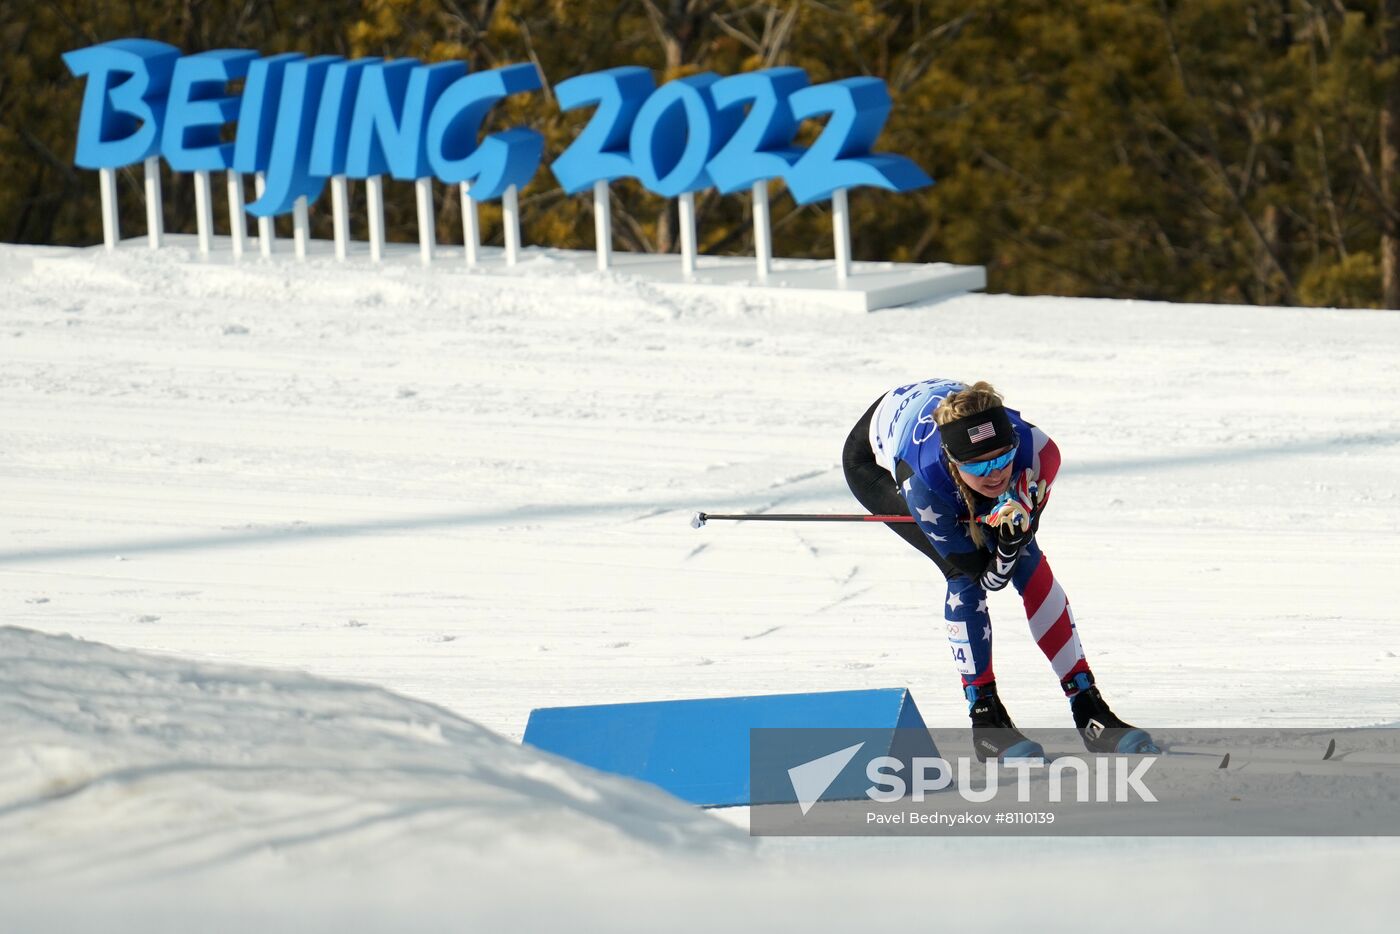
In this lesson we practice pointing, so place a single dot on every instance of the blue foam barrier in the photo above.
(699, 750)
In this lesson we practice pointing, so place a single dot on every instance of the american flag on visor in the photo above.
(981, 433)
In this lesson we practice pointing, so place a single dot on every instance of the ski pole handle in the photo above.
(700, 518)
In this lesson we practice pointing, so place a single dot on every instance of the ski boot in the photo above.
(994, 736)
(1100, 727)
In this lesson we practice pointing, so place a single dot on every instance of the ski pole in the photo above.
(700, 518)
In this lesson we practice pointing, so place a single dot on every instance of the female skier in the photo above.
(976, 477)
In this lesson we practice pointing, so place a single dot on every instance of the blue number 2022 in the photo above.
(693, 133)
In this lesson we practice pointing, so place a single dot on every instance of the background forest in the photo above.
(1202, 150)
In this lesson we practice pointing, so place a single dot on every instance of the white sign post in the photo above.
(107, 186)
(340, 215)
(471, 226)
(762, 231)
(374, 197)
(427, 237)
(267, 231)
(204, 211)
(301, 227)
(237, 226)
(841, 234)
(155, 207)
(602, 223)
(510, 218)
(687, 221)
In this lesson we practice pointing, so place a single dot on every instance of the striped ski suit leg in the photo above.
(1048, 612)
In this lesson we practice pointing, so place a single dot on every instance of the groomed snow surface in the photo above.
(290, 552)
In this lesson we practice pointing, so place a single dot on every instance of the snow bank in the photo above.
(118, 765)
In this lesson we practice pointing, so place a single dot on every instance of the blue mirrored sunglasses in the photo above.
(982, 468)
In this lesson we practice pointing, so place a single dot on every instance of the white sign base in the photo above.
(867, 287)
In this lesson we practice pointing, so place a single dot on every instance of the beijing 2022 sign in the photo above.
(304, 119)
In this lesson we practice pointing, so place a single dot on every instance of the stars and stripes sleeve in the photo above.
(938, 520)
(1047, 455)
(1045, 463)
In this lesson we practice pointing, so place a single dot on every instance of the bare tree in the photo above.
(682, 26)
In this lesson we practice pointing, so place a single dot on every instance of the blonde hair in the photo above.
(979, 397)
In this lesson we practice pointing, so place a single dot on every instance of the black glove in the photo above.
(1011, 538)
